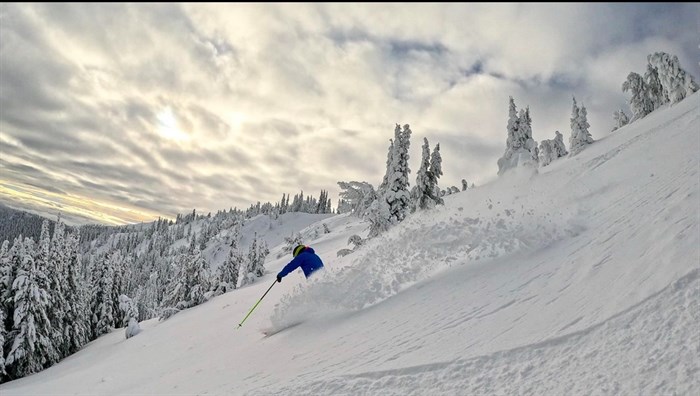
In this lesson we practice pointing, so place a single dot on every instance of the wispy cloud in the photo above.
(122, 112)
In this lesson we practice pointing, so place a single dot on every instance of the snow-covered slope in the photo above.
(581, 279)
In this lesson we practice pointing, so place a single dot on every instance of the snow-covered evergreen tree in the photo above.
(76, 330)
(227, 273)
(201, 279)
(120, 264)
(7, 276)
(559, 146)
(580, 137)
(3, 373)
(675, 81)
(257, 253)
(127, 309)
(397, 194)
(654, 89)
(49, 260)
(526, 132)
(358, 196)
(434, 173)
(422, 191)
(290, 242)
(640, 102)
(521, 149)
(102, 306)
(465, 185)
(378, 216)
(31, 348)
(552, 149)
(620, 119)
(389, 160)
(4, 269)
(130, 315)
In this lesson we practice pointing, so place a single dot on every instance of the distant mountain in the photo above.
(14, 223)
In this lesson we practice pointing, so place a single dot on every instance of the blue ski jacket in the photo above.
(307, 260)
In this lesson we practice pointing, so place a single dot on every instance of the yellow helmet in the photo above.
(298, 250)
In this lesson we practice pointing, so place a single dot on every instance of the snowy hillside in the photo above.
(582, 278)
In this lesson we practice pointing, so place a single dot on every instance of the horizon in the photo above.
(124, 113)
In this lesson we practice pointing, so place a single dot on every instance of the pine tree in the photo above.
(620, 119)
(256, 260)
(8, 270)
(49, 260)
(189, 286)
(76, 329)
(675, 81)
(356, 197)
(397, 193)
(580, 137)
(31, 349)
(102, 304)
(227, 273)
(654, 89)
(4, 270)
(521, 149)
(393, 195)
(130, 314)
(434, 173)
(198, 278)
(552, 149)
(3, 373)
(640, 102)
(421, 191)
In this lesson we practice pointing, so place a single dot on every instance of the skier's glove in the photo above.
(279, 278)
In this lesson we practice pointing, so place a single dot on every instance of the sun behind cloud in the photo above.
(168, 127)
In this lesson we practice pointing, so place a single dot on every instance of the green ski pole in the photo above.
(256, 304)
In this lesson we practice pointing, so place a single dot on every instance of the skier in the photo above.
(304, 257)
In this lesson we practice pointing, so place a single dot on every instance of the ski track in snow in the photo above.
(643, 347)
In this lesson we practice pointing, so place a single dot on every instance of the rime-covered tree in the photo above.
(75, 331)
(227, 273)
(3, 373)
(675, 81)
(197, 277)
(290, 242)
(521, 149)
(641, 103)
(130, 314)
(189, 286)
(358, 196)
(434, 173)
(397, 193)
(102, 306)
(393, 195)
(620, 119)
(654, 89)
(389, 160)
(127, 310)
(50, 260)
(378, 216)
(465, 185)
(552, 149)
(257, 252)
(422, 191)
(4, 268)
(31, 348)
(7, 275)
(580, 137)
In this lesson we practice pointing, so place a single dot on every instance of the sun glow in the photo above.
(167, 126)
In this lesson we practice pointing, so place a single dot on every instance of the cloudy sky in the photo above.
(119, 113)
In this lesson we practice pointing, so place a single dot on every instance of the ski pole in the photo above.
(256, 304)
